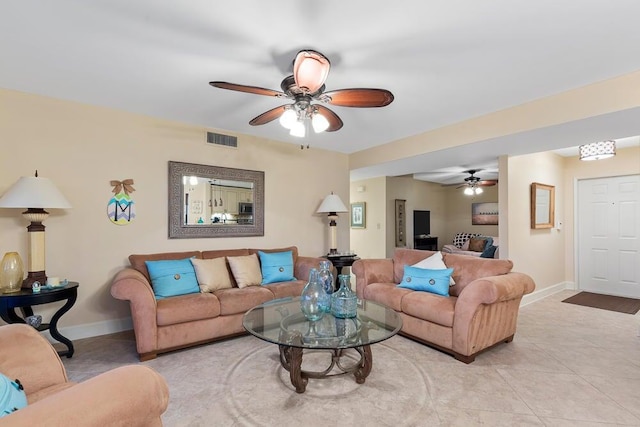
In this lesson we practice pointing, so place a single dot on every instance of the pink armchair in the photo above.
(133, 395)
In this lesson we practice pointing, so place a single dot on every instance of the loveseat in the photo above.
(133, 395)
(480, 310)
(163, 324)
(461, 245)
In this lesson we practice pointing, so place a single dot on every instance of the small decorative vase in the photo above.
(344, 303)
(314, 300)
(11, 272)
(326, 276)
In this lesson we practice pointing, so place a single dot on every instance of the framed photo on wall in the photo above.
(484, 214)
(358, 215)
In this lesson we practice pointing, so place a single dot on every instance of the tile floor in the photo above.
(567, 366)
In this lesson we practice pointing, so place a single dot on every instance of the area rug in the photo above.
(605, 302)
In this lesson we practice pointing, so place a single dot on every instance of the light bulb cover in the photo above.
(597, 150)
(319, 122)
(468, 191)
(298, 129)
(289, 118)
(478, 190)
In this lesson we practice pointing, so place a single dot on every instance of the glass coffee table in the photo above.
(281, 322)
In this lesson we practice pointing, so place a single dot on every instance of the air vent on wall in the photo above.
(219, 139)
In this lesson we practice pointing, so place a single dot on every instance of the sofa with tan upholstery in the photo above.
(162, 325)
(133, 395)
(480, 311)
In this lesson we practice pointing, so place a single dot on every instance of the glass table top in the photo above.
(281, 322)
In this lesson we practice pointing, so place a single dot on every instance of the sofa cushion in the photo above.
(287, 289)
(430, 307)
(172, 277)
(386, 293)
(434, 262)
(236, 300)
(186, 308)
(276, 266)
(212, 274)
(466, 269)
(138, 261)
(246, 270)
(426, 280)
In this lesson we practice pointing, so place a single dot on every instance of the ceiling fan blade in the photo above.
(362, 98)
(488, 182)
(248, 89)
(310, 70)
(335, 123)
(268, 116)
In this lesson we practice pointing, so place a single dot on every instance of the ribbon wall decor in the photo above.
(120, 209)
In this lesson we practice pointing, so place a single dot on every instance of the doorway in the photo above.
(608, 235)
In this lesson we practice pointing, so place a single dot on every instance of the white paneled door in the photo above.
(609, 235)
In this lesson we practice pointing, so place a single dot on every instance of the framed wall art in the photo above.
(484, 213)
(358, 215)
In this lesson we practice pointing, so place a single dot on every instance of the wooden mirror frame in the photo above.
(546, 209)
(179, 230)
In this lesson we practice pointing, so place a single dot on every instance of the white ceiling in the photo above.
(445, 61)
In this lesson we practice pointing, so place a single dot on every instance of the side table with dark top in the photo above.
(26, 298)
(339, 262)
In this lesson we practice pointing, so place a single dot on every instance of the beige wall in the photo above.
(539, 253)
(626, 162)
(458, 213)
(369, 242)
(81, 148)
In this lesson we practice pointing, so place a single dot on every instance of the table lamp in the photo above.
(332, 205)
(35, 194)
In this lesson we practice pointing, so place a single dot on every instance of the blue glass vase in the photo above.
(325, 275)
(314, 300)
(344, 303)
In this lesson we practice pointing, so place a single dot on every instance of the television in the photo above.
(421, 223)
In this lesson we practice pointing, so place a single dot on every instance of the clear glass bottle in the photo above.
(344, 303)
(314, 300)
(326, 277)
(11, 273)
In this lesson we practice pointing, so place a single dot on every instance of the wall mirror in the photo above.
(542, 205)
(213, 201)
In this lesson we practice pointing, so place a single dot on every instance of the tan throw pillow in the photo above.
(212, 274)
(246, 270)
(476, 244)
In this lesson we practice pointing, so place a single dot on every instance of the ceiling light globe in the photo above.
(297, 130)
(288, 119)
(478, 190)
(319, 123)
(468, 191)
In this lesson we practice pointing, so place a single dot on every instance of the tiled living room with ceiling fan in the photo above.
(171, 295)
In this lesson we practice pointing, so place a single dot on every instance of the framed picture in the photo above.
(358, 215)
(542, 205)
(484, 213)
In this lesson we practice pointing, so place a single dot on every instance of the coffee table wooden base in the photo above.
(291, 360)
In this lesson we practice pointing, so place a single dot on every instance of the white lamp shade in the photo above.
(298, 130)
(310, 70)
(332, 203)
(289, 118)
(319, 123)
(34, 192)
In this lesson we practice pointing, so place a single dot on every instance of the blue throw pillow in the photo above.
(422, 279)
(12, 396)
(172, 277)
(488, 242)
(276, 266)
(489, 252)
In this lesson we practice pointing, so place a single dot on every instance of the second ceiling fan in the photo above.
(305, 85)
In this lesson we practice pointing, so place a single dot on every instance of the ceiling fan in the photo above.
(303, 87)
(473, 183)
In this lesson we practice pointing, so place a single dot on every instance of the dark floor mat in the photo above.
(605, 302)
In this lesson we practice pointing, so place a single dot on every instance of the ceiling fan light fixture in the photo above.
(468, 191)
(478, 190)
(298, 129)
(289, 118)
(319, 122)
(310, 70)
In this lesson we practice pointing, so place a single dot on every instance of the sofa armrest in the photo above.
(488, 306)
(133, 395)
(369, 271)
(304, 264)
(27, 356)
(131, 285)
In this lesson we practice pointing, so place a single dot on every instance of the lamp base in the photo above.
(34, 276)
(333, 251)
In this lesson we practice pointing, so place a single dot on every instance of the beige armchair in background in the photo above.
(133, 395)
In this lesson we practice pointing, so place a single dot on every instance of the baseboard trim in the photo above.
(95, 329)
(545, 292)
